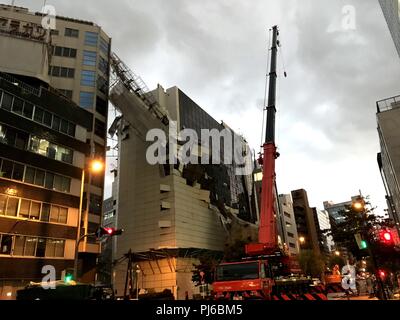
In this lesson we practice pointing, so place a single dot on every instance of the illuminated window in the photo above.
(50, 150)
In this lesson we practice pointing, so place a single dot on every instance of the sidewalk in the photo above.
(342, 296)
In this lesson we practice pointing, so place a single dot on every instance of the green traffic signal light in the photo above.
(363, 244)
(68, 278)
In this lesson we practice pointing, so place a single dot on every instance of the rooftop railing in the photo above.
(36, 91)
(20, 84)
(388, 104)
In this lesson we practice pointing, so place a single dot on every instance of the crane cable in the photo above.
(283, 68)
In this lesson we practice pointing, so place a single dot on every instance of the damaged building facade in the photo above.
(172, 213)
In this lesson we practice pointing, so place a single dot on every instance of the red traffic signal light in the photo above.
(386, 237)
(108, 232)
(382, 274)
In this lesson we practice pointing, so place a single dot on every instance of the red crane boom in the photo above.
(267, 237)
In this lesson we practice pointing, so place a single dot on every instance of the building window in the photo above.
(64, 52)
(57, 214)
(6, 101)
(13, 137)
(88, 78)
(292, 245)
(40, 248)
(89, 58)
(101, 106)
(29, 209)
(39, 177)
(30, 246)
(50, 150)
(103, 65)
(55, 248)
(86, 100)
(12, 207)
(287, 214)
(91, 38)
(71, 33)
(18, 172)
(18, 106)
(102, 84)
(61, 72)
(6, 169)
(99, 150)
(10, 170)
(3, 204)
(54, 122)
(291, 235)
(104, 46)
(6, 242)
(19, 244)
(45, 216)
(28, 110)
(32, 210)
(67, 93)
(92, 228)
(95, 204)
(34, 176)
(99, 128)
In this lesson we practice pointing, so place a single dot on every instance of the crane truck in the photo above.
(266, 272)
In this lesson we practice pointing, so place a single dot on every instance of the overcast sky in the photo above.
(216, 52)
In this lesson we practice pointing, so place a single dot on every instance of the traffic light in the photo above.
(362, 244)
(108, 232)
(68, 276)
(386, 237)
(358, 204)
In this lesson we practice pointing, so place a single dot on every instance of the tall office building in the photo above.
(77, 64)
(172, 213)
(322, 222)
(335, 211)
(43, 144)
(391, 11)
(290, 235)
(305, 222)
(388, 118)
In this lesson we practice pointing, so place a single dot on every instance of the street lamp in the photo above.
(95, 166)
(337, 253)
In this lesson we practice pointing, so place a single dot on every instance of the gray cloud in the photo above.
(216, 51)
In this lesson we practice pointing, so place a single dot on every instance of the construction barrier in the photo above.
(306, 296)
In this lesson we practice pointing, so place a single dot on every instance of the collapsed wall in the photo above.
(172, 206)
